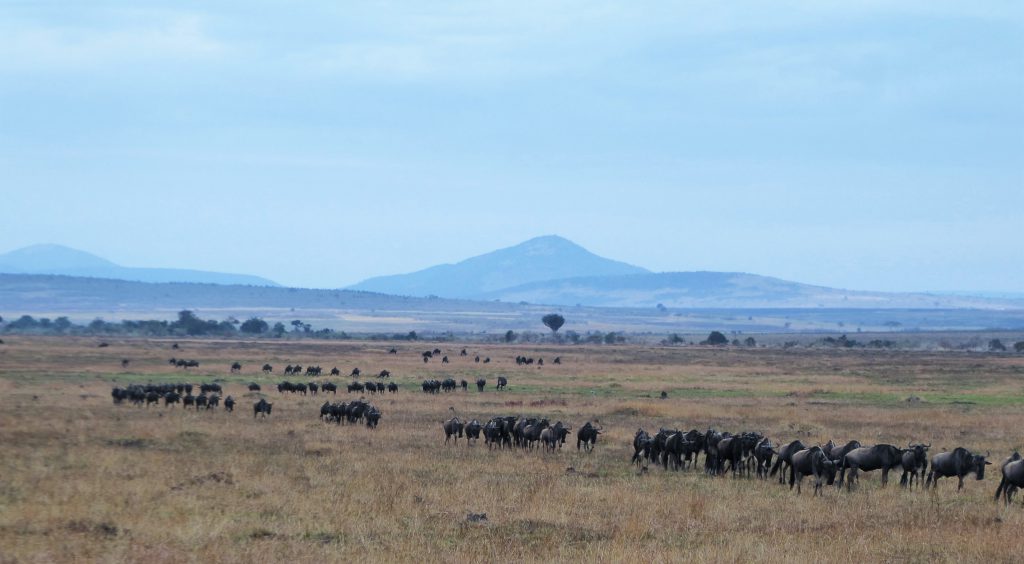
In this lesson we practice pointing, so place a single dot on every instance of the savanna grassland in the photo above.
(82, 479)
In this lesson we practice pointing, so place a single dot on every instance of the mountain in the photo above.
(58, 259)
(725, 290)
(540, 259)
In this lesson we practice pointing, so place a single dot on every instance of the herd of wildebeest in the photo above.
(747, 454)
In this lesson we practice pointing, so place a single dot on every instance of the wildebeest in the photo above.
(487, 360)
(836, 453)
(476, 358)
(372, 416)
(879, 457)
(335, 371)
(229, 404)
(763, 453)
(201, 400)
(355, 387)
(641, 447)
(444, 359)
(558, 360)
(463, 352)
(313, 388)
(261, 407)
(214, 402)
(808, 462)
(254, 387)
(329, 387)
(355, 372)
(480, 383)
(959, 462)
(267, 369)
(171, 397)
(452, 428)
(1012, 471)
(502, 382)
(392, 387)
(392, 350)
(785, 458)
(472, 431)
(915, 463)
(384, 374)
(152, 397)
(586, 436)
(188, 400)
(464, 385)
(236, 367)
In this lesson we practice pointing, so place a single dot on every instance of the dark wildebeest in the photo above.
(267, 369)
(763, 453)
(586, 436)
(915, 463)
(879, 457)
(480, 383)
(960, 462)
(393, 387)
(372, 417)
(171, 397)
(355, 387)
(1012, 470)
(384, 374)
(836, 453)
(641, 447)
(254, 387)
(329, 387)
(464, 385)
(808, 462)
(487, 360)
(300, 387)
(188, 400)
(335, 371)
(463, 353)
(452, 428)
(313, 388)
(229, 404)
(214, 402)
(472, 431)
(785, 458)
(261, 407)
(476, 358)
(444, 359)
(355, 372)
(201, 400)
(558, 360)
(236, 367)
(392, 350)
(502, 382)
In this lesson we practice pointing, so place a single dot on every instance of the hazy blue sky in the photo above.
(867, 145)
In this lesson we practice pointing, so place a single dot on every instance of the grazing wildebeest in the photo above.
(502, 382)
(392, 350)
(335, 371)
(236, 367)
(808, 462)
(464, 385)
(152, 397)
(476, 358)
(586, 436)
(444, 359)
(214, 402)
(452, 428)
(487, 360)
(1012, 471)
(329, 387)
(393, 387)
(384, 374)
(437, 351)
(463, 353)
(313, 388)
(254, 387)
(188, 400)
(879, 457)
(372, 416)
(558, 360)
(267, 369)
(480, 383)
(959, 462)
(171, 397)
(641, 447)
(785, 458)
(229, 404)
(261, 408)
(201, 400)
(125, 362)
(355, 372)
(300, 387)
(472, 431)
(915, 463)
(288, 370)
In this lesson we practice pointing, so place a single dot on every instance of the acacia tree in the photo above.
(553, 321)
(255, 326)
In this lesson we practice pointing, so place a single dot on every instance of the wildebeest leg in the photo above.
(1000, 489)
(885, 476)
(960, 486)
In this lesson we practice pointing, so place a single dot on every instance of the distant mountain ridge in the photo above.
(61, 260)
(539, 259)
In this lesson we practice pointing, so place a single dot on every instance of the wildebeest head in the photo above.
(978, 464)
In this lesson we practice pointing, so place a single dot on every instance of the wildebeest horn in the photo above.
(929, 445)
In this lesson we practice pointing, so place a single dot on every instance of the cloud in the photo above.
(28, 46)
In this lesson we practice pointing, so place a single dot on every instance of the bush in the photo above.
(254, 326)
(995, 345)
(716, 338)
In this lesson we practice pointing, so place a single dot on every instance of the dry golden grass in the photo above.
(84, 480)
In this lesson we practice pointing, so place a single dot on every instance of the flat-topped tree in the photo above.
(553, 321)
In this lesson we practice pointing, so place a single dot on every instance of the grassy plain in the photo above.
(82, 479)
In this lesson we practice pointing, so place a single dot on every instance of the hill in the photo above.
(726, 290)
(61, 260)
(543, 258)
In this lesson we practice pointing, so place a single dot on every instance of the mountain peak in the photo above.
(548, 257)
(48, 256)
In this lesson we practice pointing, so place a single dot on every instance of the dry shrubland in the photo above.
(82, 479)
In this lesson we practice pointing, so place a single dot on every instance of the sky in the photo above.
(863, 145)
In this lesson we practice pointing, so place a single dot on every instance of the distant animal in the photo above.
(384, 374)
(335, 371)
(329, 387)
(393, 387)
(812, 462)
(262, 408)
(236, 367)
(267, 369)
(480, 383)
(879, 457)
(464, 385)
(476, 358)
(355, 372)
(915, 463)
(558, 360)
(229, 404)
(254, 387)
(444, 359)
(452, 428)
(393, 350)
(959, 462)
(487, 360)
(586, 436)
(125, 362)
(472, 431)
(785, 458)
(502, 383)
